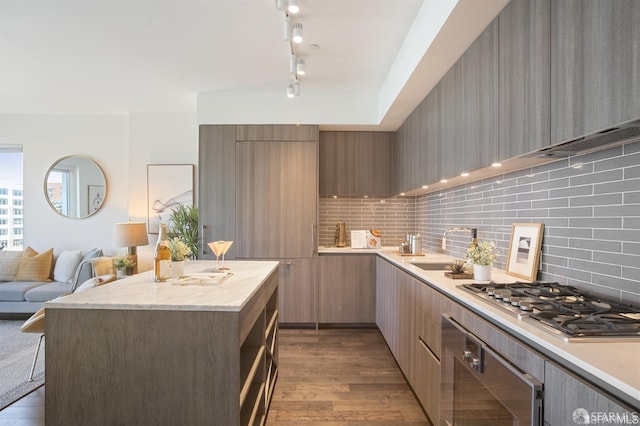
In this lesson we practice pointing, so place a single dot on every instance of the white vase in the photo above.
(482, 272)
(121, 273)
(177, 269)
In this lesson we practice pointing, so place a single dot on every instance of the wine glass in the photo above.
(217, 247)
(226, 246)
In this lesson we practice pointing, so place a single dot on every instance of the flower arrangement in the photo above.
(122, 262)
(485, 253)
(179, 249)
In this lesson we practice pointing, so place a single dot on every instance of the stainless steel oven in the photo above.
(479, 387)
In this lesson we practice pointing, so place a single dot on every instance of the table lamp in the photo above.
(130, 235)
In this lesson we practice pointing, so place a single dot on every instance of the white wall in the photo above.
(122, 145)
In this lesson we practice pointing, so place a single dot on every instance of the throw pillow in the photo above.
(9, 264)
(34, 266)
(66, 265)
(96, 252)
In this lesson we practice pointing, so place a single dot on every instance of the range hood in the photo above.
(608, 138)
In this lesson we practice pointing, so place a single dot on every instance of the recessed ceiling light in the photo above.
(443, 181)
(425, 186)
(464, 174)
(496, 164)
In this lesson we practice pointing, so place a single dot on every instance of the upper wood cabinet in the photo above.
(468, 113)
(217, 187)
(595, 82)
(260, 194)
(277, 132)
(276, 199)
(525, 77)
(355, 163)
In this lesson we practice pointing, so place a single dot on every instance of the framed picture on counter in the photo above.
(524, 250)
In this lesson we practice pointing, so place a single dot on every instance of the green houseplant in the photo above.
(184, 221)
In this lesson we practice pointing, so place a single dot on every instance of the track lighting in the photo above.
(287, 28)
(293, 7)
(290, 6)
(300, 63)
(293, 36)
(297, 32)
(293, 64)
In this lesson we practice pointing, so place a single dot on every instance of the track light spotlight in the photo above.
(300, 63)
(292, 6)
(281, 4)
(297, 32)
(290, 91)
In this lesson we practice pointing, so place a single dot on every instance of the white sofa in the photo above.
(25, 282)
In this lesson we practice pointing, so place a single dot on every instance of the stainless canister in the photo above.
(415, 243)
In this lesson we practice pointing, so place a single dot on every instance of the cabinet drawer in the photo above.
(427, 381)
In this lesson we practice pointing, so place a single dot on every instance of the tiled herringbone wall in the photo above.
(395, 217)
(589, 204)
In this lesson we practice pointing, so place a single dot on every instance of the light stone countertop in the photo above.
(614, 366)
(141, 292)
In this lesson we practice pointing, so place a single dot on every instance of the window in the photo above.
(3, 221)
(11, 190)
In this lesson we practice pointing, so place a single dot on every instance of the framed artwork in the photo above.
(524, 250)
(96, 197)
(168, 185)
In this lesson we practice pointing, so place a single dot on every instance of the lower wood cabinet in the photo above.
(567, 399)
(427, 381)
(298, 291)
(347, 288)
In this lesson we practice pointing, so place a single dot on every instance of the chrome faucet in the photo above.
(455, 229)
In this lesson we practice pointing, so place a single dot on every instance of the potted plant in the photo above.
(184, 220)
(123, 265)
(180, 251)
(482, 257)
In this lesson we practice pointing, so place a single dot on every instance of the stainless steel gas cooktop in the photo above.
(573, 314)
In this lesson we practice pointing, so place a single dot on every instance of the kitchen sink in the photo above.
(431, 266)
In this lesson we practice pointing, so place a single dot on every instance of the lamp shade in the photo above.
(130, 234)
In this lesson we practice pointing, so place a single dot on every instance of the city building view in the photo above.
(11, 199)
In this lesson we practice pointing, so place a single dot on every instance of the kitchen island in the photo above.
(200, 350)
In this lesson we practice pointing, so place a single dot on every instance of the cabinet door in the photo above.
(355, 163)
(564, 394)
(386, 305)
(479, 125)
(595, 81)
(373, 163)
(347, 289)
(216, 182)
(337, 163)
(525, 77)
(297, 291)
(276, 197)
(450, 148)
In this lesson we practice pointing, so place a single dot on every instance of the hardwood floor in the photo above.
(342, 377)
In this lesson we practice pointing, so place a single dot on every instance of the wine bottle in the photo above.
(162, 256)
(472, 245)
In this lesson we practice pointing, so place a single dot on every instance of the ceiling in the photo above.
(127, 56)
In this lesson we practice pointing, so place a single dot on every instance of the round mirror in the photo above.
(75, 186)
